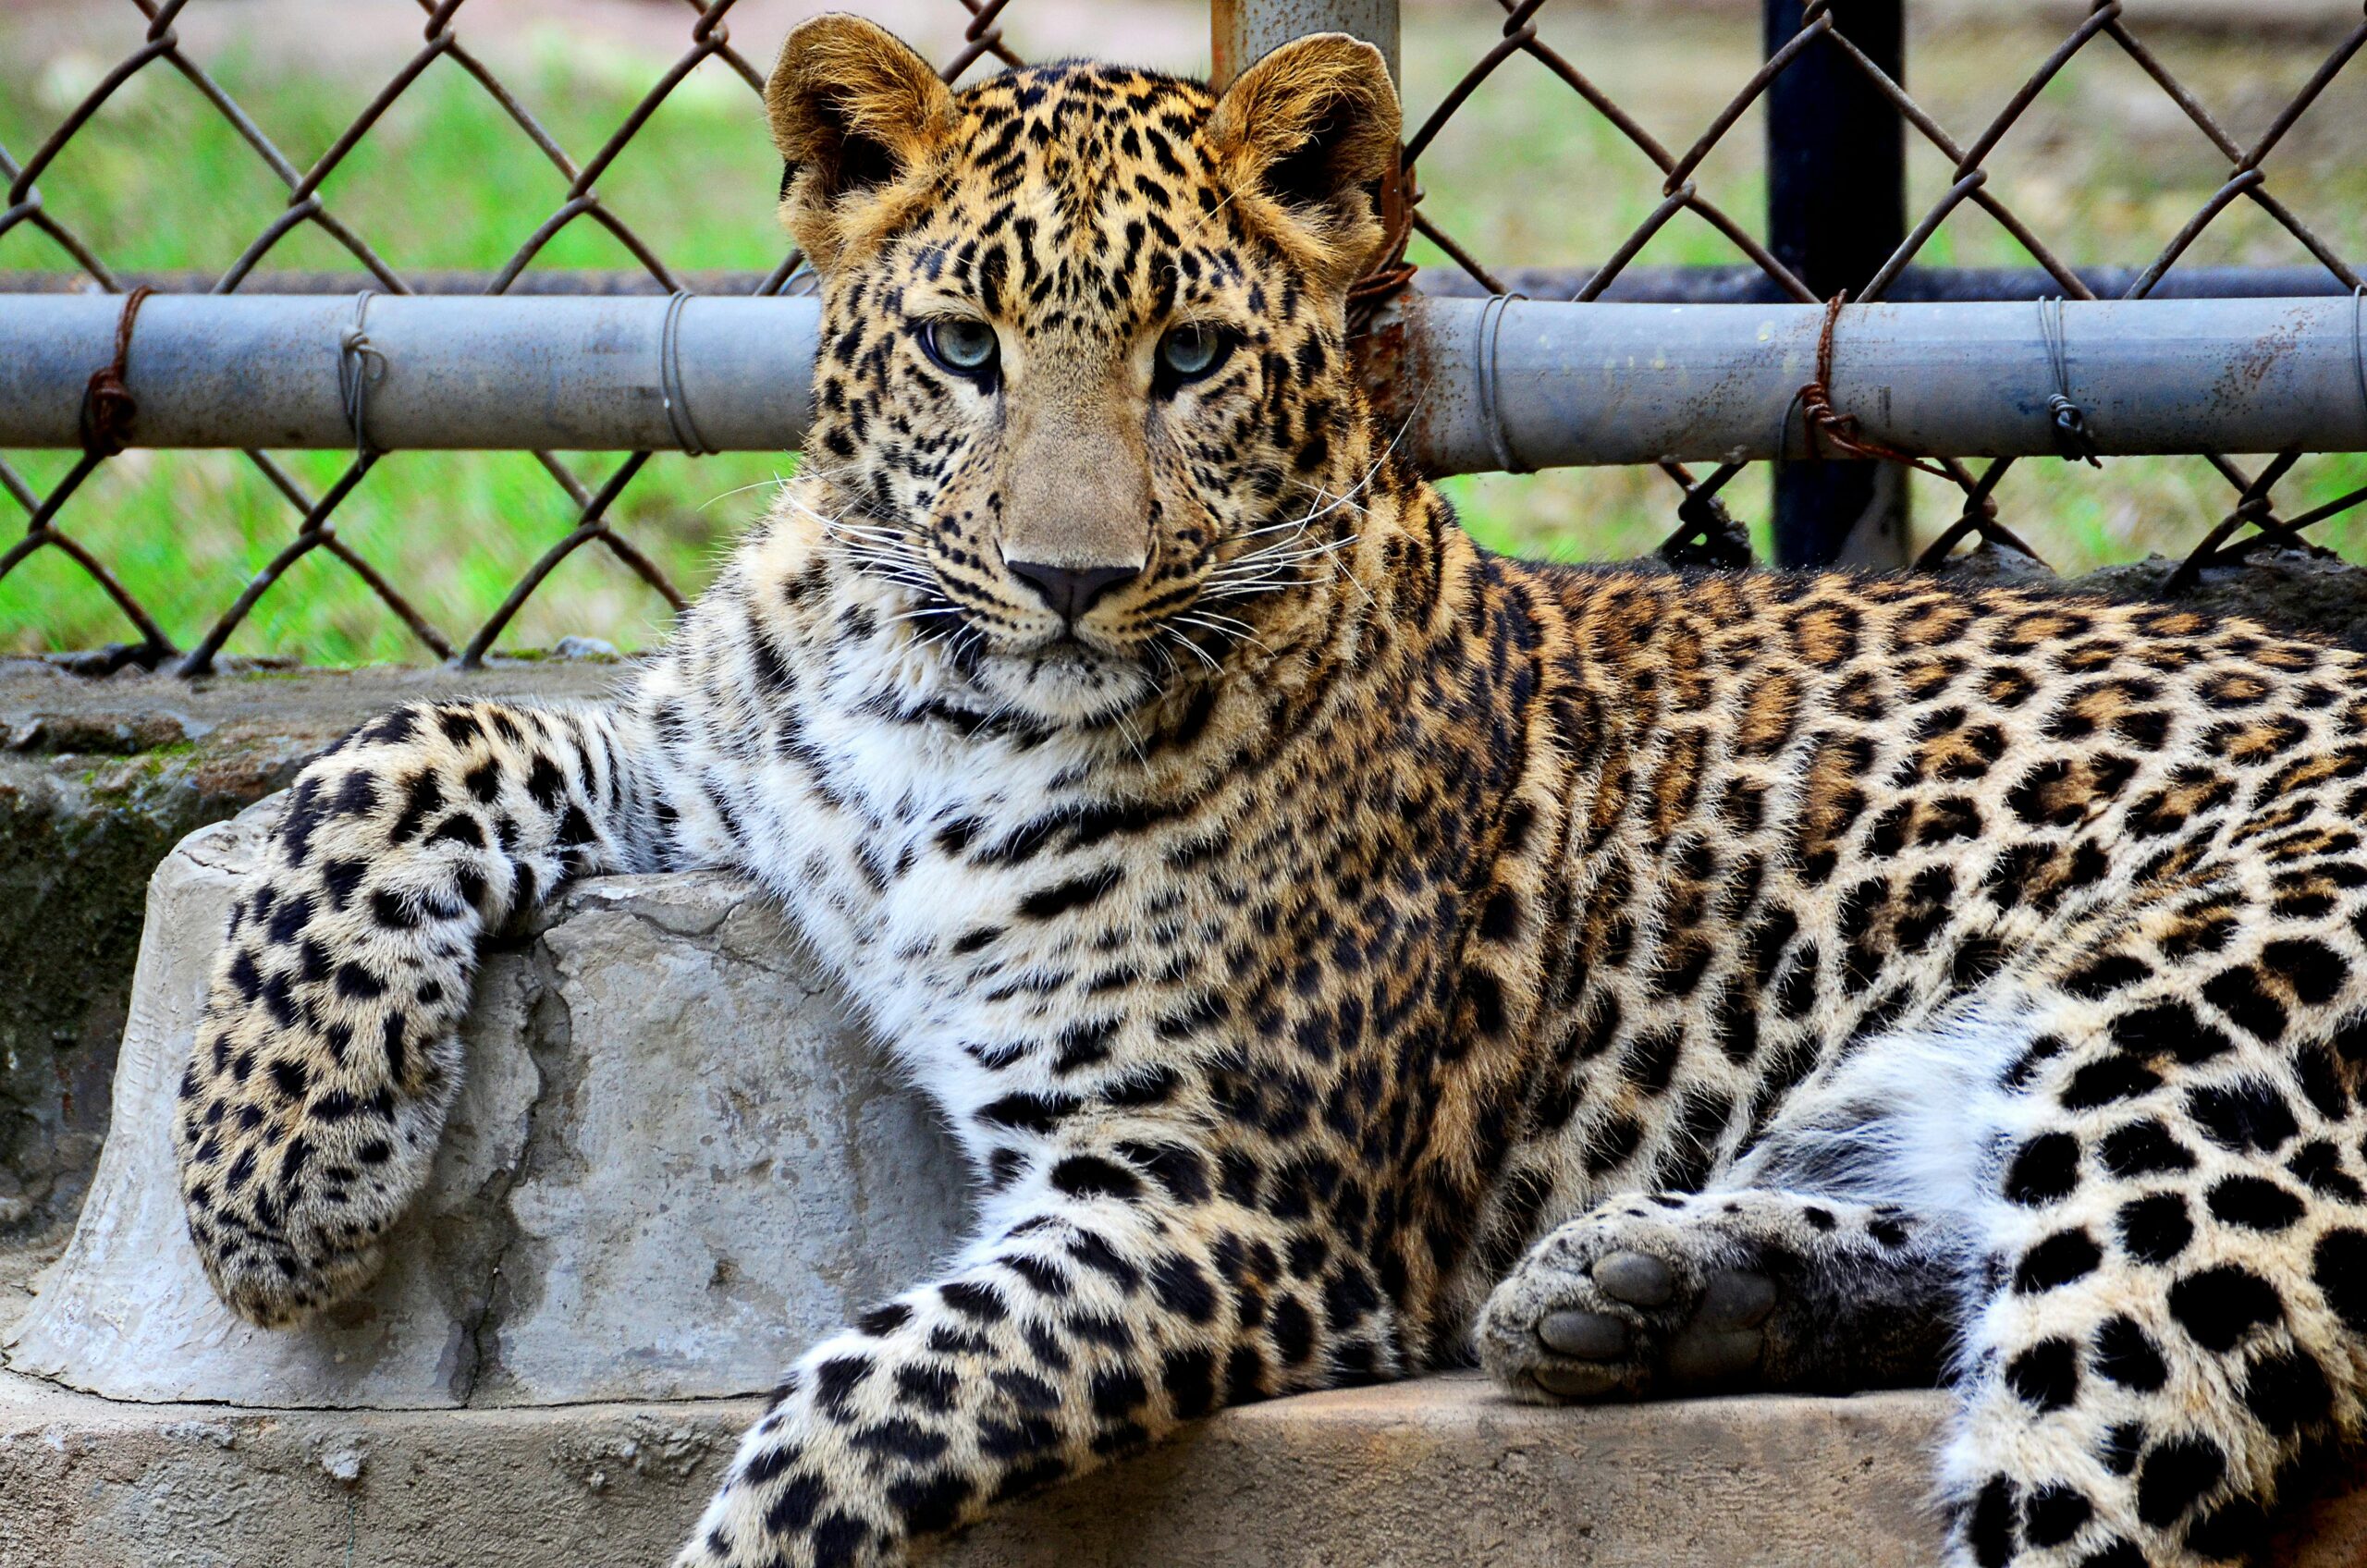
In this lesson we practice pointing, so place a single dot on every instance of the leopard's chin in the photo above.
(1065, 683)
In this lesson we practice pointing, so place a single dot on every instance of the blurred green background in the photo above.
(2105, 167)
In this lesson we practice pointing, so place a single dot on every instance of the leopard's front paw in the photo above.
(1625, 1305)
(275, 1283)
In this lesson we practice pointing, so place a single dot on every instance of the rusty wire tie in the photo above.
(2074, 442)
(1492, 413)
(108, 406)
(356, 358)
(670, 380)
(1391, 273)
(1840, 429)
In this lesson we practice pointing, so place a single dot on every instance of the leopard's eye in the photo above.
(964, 346)
(1190, 353)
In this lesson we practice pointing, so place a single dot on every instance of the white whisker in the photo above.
(1244, 635)
(776, 482)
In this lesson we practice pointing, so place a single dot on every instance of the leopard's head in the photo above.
(1082, 387)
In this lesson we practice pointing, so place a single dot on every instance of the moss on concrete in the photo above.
(79, 837)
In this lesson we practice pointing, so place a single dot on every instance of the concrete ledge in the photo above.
(1433, 1473)
(674, 1163)
(1437, 1472)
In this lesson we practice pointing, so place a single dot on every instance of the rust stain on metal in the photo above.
(2242, 378)
(1224, 36)
(1395, 366)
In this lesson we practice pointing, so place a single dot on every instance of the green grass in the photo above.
(1525, 175)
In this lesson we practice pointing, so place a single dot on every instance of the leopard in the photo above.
(1342, 951)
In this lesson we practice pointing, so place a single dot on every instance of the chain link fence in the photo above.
(316, 529)
(1706, 532)
(1820, 35)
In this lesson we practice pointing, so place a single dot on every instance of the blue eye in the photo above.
(964, 346)
(1189, 352)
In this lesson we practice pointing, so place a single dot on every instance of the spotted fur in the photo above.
(1339, 949)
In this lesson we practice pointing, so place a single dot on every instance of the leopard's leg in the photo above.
(1671, 1293)
(2171, 1313)
(1115, 1295)
(327, 1055)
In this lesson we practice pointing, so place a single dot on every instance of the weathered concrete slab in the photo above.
(99, 779)
(674, 1164)
(1418, 1475)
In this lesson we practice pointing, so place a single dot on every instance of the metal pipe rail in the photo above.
(1525, 385)
(1478, 384)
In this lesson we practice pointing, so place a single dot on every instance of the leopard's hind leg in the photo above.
(2171, 1311)
(2156, 1165)
(2133, 1193)
(1831, 1256)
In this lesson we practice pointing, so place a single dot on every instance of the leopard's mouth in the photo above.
(1071, 657)
(980, 633)
(1063, 679)
(1063, 674)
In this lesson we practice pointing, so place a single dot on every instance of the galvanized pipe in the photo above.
(272, 371)
(1569, 384)
(1576, 385)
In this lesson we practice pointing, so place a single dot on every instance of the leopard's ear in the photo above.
(1304, 138)
(855, 113)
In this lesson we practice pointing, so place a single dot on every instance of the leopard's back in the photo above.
(1813, 809)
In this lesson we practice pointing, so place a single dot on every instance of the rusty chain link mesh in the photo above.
(1706, 532)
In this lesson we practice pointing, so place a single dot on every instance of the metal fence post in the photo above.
(1836, 208)
(1240, 31)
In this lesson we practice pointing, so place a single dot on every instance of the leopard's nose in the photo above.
(1070, 591)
